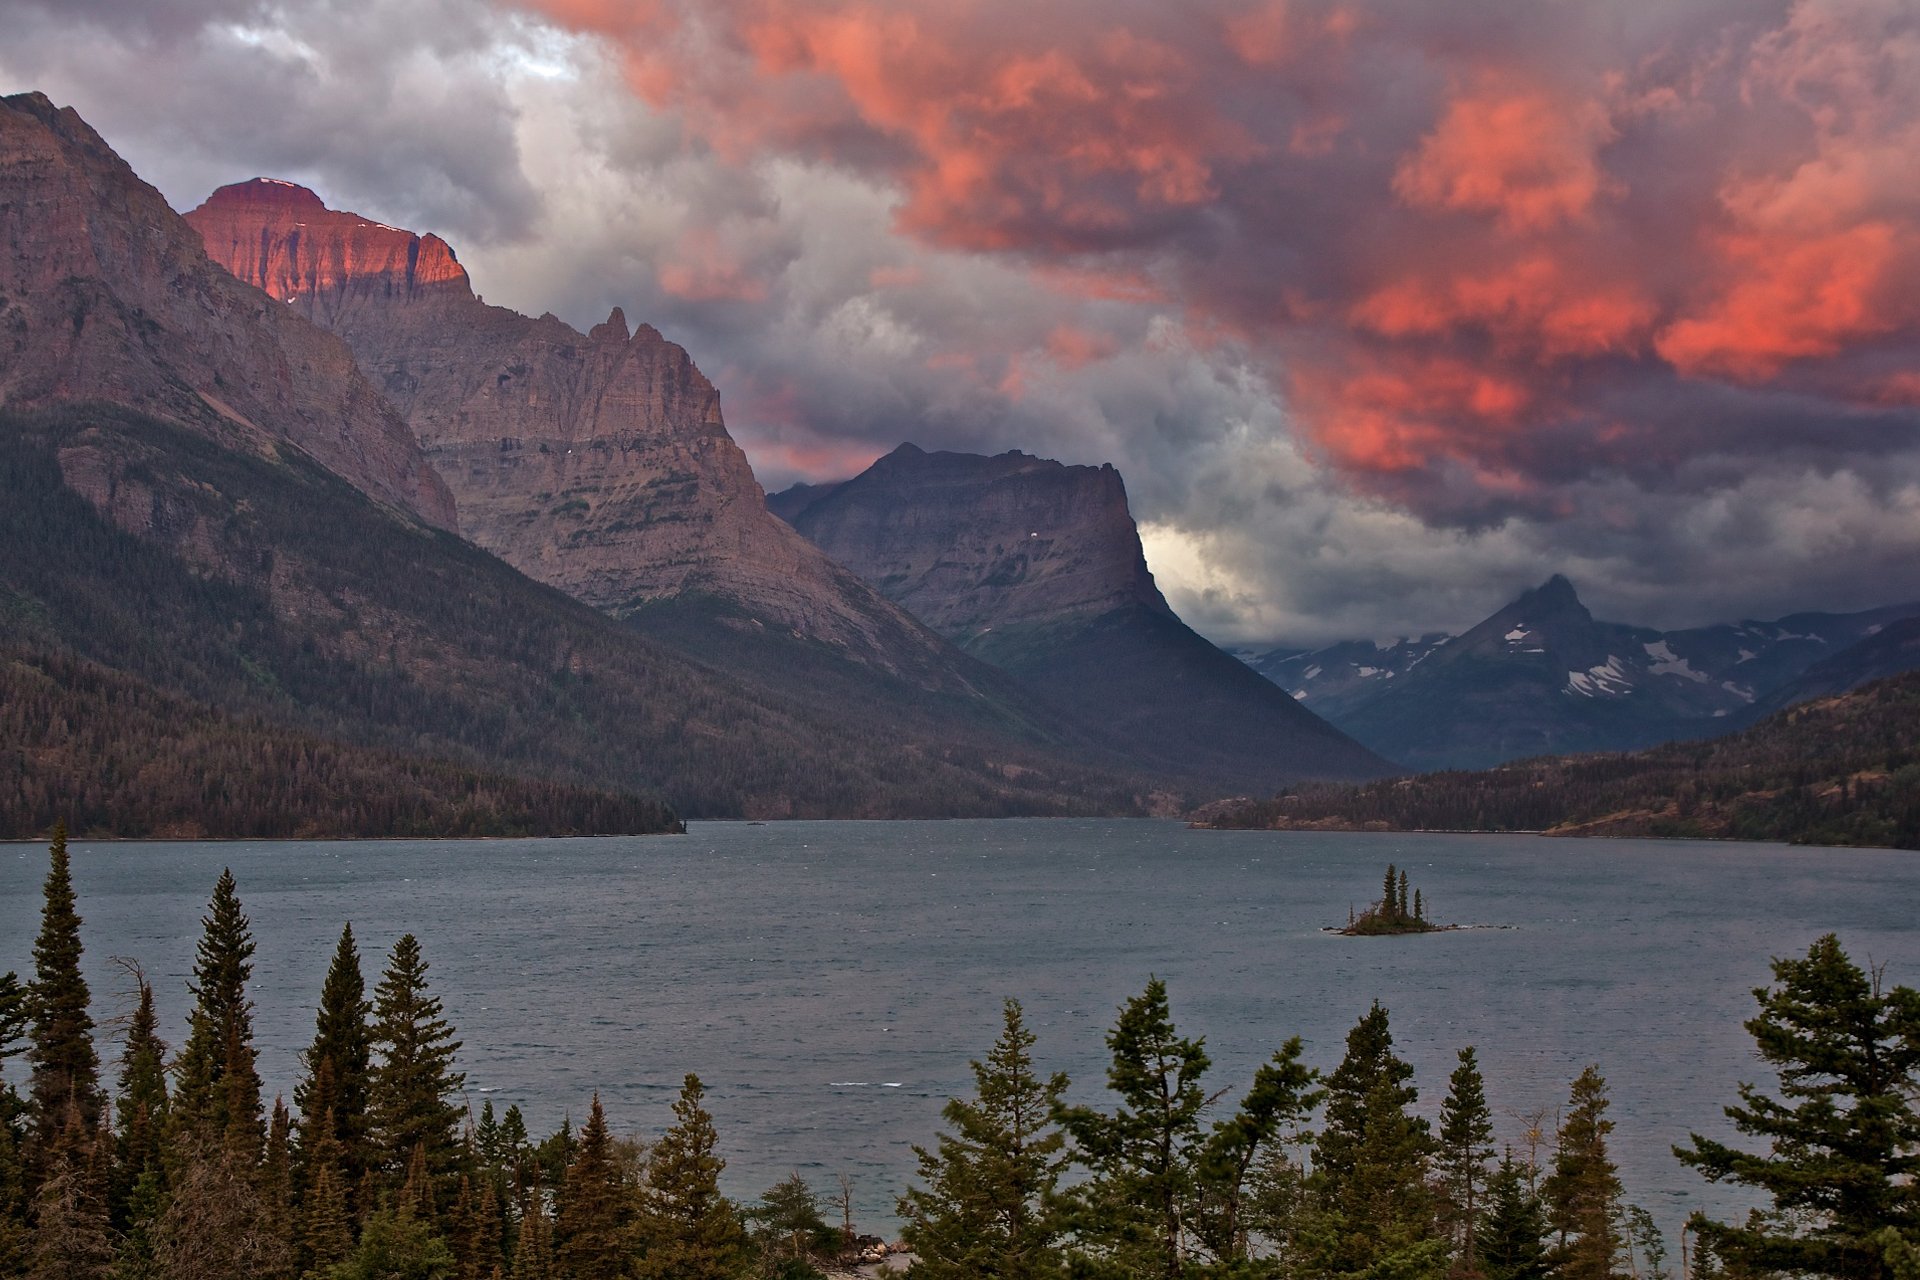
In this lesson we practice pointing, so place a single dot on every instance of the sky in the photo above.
(1385, 310)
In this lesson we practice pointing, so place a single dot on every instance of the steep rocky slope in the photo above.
(1037, 568)
(204, 501)
(598, 463)
(106, 296)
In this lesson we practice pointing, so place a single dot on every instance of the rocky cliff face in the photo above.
(598, 462)
(106, 296)
(970, 543)
(1037, 568)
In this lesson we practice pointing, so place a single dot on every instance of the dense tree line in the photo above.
(119, 758)
(1842, 770)
(268, 588)
(174, 1166)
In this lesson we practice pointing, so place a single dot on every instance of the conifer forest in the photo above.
(123, 1156)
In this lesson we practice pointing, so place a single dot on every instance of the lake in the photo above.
(829, 981)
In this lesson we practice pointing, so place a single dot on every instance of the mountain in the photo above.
(1334, 679)
(1037, 567)
(1543, 676)
(1835, 770)
(598, 463)
(1888, 649)
(106, 295)
(182, 516)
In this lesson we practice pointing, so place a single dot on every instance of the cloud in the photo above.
(1384, 309)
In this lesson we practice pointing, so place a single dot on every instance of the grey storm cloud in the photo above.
(785, 219)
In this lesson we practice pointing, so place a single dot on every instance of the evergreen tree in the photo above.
(988, 1207)
(1466, 1148)
(338, 1066)
(71, 1239)
(218, 1096)
(1511, 1242)
(1135, 1214)
(66, 1071)
(16, 1017)
(687, 1229)
(486, 1249)
(593, 1230)
(1390, 892)
(139, 1169)
(277, 1224)
(395, 1246)
(1583, 1191)
(1843, 1139)
(326, 1223)
(1281, 1098)
(533, 1249)
(411, 1091)
(1370, 1178)
(790, 1231)
(1403, 908)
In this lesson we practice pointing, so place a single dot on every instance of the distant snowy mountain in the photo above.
(1543, 676)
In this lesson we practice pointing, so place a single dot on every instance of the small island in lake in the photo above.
(1394, 913)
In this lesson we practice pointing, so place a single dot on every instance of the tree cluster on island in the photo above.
(186, 1174)
(1843, 771)
(1395, 913)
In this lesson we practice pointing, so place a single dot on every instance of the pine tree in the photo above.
(139, 1169)
(988, 1207)
(1466, 1148)
(66, 1071)
(326, 1223)
(1279, 1101)
(1843, 1139)
(1404, 909)
(790, 1231)
(687, 1229)
(15, 1020)
(1370, 1178)
(1390, 892)
(593, 1231)
(396, 1246)
(486, 1250)
(533, 1250)
(71, 1239)
(1511, 1242)
(1136, 1212)
(277, 1226)
(337, 1068)
(218, 1096)
(1583, 1191)
(411, 1091)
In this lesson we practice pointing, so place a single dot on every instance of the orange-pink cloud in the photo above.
(1443, 231)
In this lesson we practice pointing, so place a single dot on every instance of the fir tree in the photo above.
(1511, 1241)
(790, 1231)
(1136, 1211)
(1466, 1148)
(395, 1246)
(687, 1229)
(326, 1223)
(338, 1067)
(533, 1249)
(15, 1020)
(1279, 1101)
(1370, 1179)
(71, 1239)
(66, 1071)
(410, 1094)
(988, 1207)
(1403, 908)
(593, 1231)
(277, 1225)
(1583, 1191)
(1843, 1139)
(486, 1250)
(218, 1095)
(139, 1170)
(1390, 892)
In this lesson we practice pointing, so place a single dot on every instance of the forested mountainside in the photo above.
(267, 587)
(111, 755)
(1839, 770)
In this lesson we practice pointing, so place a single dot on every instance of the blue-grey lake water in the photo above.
(830, 981)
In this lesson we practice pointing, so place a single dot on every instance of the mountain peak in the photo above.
(614, 327)
(273, 192)
(1555, 591)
